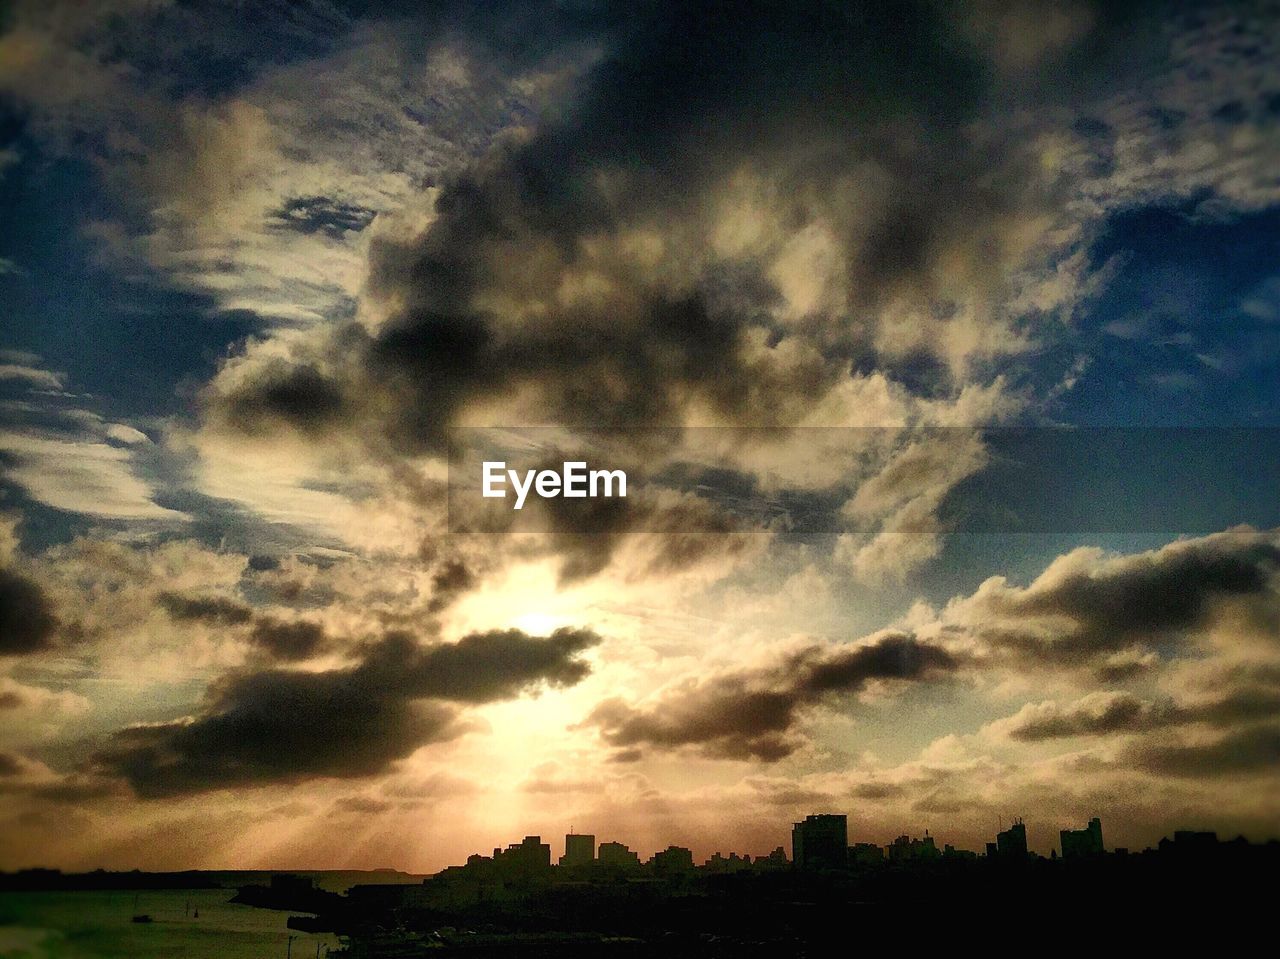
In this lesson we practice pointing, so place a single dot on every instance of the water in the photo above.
(97, 925)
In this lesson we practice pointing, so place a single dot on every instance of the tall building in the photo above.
(820, 842)
(579, 851)
(1012, 843)
(1083, 843)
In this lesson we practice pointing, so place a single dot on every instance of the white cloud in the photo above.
(33, 376)
(82, 476)
(126, 434)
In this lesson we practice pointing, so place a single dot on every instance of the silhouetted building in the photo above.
(1083, 843)
(1011, 844)
(907, 849)
(616, 856)
(820, 842)
(672, 861)
(1189, 842)
(951, 852)
(532, 857)
(722, 865)
(865, 854)
(579, 851)
(775, 860)
(731, 906)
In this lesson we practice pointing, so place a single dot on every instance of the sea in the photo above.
(186, 923)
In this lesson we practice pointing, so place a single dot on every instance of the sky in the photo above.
(940, 342)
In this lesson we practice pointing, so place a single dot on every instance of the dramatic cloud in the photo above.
(1084, 610)
(904, 497)
(297, 395)
(81, 476)
(33, 376)
(286, 726)
(61, 453)
(1110, 713)
(580, 268)
(662, 533)
(1247, 751)
(450, 580)
(27, 619)
(299, 639)
(284, 639)
(40, 702)
(1086, 606)
(753, 715)
(840, 203)
(1094, 715)
(216, 609)
(792, 266)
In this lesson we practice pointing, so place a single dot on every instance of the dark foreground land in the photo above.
(1158, 898)
(1221, 894)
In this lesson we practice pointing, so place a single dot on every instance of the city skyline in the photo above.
(853, 841)
(585, 851)
(938, 344)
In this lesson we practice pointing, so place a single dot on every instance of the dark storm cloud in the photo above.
(487, 666)
(1098, 716)
(286, 726)
(299, 639)
(723, 718)
(450, 580)
(283, 639)
(753, 715)
(1150, 598)
(585, 370)
(1105, 714)
(682, 97)
(453, 576)
(1244, 752)
(209, 609)
(898, 656)
(1244, 705)
(1162, 596)
(300, 395)
(28, 623)
(875, 791)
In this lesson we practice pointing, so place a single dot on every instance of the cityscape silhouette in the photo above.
(603, 898)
